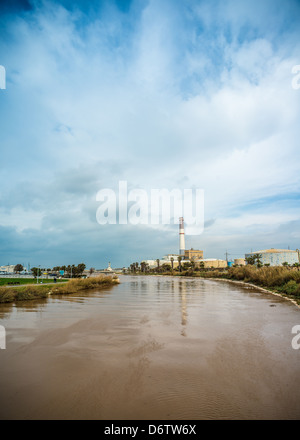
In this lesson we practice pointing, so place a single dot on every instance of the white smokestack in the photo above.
(181, 237)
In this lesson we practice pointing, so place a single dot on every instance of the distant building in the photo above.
(151, 263)
(169, 257)
(181, 236)
(109, 269)
(212, 262)
(7, 269)
(275, 257)
(240, 261)
(193, 254)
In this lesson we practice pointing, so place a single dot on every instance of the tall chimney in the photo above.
(181, 237)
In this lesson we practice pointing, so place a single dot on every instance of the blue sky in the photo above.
(161, 94)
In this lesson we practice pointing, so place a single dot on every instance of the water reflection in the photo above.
(5, 310)
(184, 314)
(151, 348)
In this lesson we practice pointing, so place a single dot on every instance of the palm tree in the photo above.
(132, 267)
(172, 262)
(250, 260)
(179, 263)
(157, 261)
(257, 259)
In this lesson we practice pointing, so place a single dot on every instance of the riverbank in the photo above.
(280, 281)
(261, 289)
(39, 291)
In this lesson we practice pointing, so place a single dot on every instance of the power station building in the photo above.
(193, 254)
(276, 257)
(272, 257)
(181, 237)
(186, 255)
(212, 263)
(240, 261)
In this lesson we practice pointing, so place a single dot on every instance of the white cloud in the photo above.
(194, 96)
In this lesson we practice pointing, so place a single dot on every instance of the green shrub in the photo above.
(290, 288)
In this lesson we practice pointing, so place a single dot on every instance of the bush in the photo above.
(6, 295)
(290, 288)
(77, 285)
(31, 292)
(280, 278)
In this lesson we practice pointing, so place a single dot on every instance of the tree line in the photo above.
(70, 271)
(144, 267)
(190, 266)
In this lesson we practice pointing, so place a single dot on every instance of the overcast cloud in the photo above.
(161, 94)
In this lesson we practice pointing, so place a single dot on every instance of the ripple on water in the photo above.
(152, 348)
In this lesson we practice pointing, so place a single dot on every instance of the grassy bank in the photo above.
(21, 281)
(28, 292)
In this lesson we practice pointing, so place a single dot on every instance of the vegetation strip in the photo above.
(21, 281)
(28, 292)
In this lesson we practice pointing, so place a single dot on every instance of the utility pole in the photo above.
(37, 275)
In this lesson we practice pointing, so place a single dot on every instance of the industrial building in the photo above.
(185, 255)
(181, 237)
(193, 254)
(212, 263)
(188, 256)
(240, 261)
(272, 257)
(167, 259)
(276, 257)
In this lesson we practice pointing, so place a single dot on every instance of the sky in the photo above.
(160, 94)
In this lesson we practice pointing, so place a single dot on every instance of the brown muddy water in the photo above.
(152, 348)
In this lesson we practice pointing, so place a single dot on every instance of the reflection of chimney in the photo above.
(181, 237)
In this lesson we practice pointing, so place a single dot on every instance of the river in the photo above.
(151, 348)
